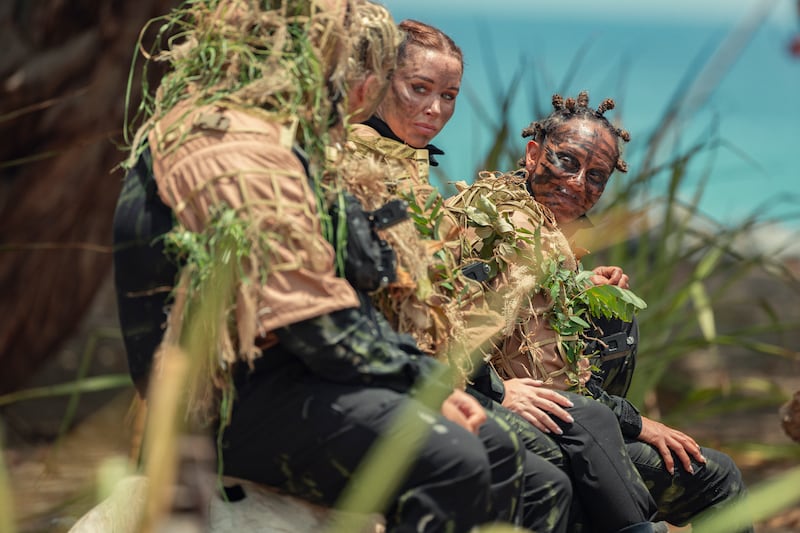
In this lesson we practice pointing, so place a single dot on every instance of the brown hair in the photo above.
(374, 40)
(564, 110)
(426, 36)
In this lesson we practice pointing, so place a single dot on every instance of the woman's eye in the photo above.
(597, 177)
(567, 161)
(449, 96)
(420, 89)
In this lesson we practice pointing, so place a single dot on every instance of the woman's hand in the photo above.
(464, 410)
(610, 275)
(667, 440)
(535, 403)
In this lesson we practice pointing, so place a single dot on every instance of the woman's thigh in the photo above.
(308, 437)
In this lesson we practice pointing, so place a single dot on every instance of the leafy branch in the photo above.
(533, 255)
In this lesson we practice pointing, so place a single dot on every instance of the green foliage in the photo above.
(612, 301)
(70, 388)
(6, 500)
(214, 53)
(229, 240)
(502, 242)
(576, 300)
(444, 272)
(427, 217)
(488, 207)
(214, 261)
(583, 299)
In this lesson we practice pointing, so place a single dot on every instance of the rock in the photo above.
(262, 510)
(121, 512)
(263, 506)
(790, 417)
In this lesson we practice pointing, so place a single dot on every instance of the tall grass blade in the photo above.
(764, 501)
(90, 384)
(6, 499)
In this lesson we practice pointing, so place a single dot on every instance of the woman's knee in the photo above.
(449, 483)
(590, 414)
(721, 471)
(590, 408)
(453, 454)
(543, 478)
(547, 495)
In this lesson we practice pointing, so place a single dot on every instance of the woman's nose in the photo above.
(434, 108)
(577, 180)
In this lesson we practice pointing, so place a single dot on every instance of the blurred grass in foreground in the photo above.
(684, 264)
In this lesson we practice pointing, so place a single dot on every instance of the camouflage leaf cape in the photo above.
(431, 300)
(243, 75)
(534, 280)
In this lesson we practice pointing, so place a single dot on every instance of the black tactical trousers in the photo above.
(297, 432)
(547, 493)
(681, 496)
(609, 492)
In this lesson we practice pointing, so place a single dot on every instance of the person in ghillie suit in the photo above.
(225, 248)
(397, 175)
(443, 308)
(568, 162)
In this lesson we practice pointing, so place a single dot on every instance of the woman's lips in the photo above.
(426, 128)
(564, 193)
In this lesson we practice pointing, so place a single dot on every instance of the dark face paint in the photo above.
(422, 95)
(569, 172)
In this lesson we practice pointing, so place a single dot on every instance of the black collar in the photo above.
(385, 131)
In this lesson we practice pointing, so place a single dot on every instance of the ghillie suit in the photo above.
(249, 83)
(431, 299)
(534, 279)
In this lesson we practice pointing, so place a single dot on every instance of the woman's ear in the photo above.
(365, 97)
(531, 156)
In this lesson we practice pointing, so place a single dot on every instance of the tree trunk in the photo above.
(64, 67)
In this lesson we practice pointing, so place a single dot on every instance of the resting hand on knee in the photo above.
(667, 440)
(536, 403)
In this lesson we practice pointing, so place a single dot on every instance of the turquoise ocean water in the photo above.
(748, 97)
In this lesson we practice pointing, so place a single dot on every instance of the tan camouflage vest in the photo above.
(499, 205)
(431, 300)
(217, 155)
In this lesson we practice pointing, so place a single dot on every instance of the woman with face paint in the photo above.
(568, 163)
(569, 160)
(422, 94)
(420, 100)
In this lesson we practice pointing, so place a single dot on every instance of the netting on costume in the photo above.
(428, 298)
(288, 62)
(529, 261)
